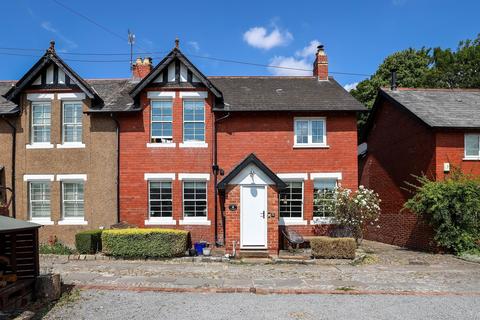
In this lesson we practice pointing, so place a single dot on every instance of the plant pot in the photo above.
(206, 251)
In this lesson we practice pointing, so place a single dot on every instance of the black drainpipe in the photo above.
(216, 170)
(117, 131)
(14, 148)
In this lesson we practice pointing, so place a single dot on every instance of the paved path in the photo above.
(397, 271)
(94, 304)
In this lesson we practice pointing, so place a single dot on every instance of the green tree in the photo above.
(425, 67)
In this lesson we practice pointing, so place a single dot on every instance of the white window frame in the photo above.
(168, 139)
(40, 145)
(286, 221)
(337, 176)
(194, 143)
(310, 144)
(71, 144)
(194, 177)
(39, 179)
(71, 220)
(470, 157)
(159, 177)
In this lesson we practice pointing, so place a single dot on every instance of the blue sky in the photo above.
(357, 35)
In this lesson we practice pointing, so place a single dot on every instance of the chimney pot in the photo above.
(393, 83)
(320, 66)
(141, 68)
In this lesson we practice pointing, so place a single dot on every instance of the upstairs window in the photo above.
(41, 122)
(310, 132)
(161, 121)
(324, 198)
(291, 200)
(472, 146)
(72, 122)
(193, 121)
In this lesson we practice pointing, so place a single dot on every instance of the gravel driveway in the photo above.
(94, 304)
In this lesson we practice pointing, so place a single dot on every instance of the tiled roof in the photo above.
(448, 108)
(284, 94)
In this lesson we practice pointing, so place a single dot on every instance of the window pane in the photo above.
(41, 114)
(161, 122)
(301, 131)
(324, 197)
(317, 131)
(291, 200)
(472, 145)
(39, 199)
(73, 203)
(72, 122)
(160, 198)
(195, 199)
(194, 120)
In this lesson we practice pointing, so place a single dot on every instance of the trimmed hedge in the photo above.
(145, 243)
(89, 242)
(333, 248)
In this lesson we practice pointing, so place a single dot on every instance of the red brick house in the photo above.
(415, 132)
(232, 159)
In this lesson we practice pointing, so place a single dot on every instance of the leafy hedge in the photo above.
(333, 248)
(452, 207)
(145, 243)
(89, 242)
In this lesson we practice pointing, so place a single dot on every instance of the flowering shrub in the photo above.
(354, 209)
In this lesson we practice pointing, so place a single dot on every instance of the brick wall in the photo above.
(270, 135)
(136, 160)
(399, 145)
(450, 149)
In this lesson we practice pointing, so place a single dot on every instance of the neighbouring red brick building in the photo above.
(231, 159)
(413, 132)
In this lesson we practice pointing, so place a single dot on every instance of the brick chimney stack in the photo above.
(141, 68)
(320, 66)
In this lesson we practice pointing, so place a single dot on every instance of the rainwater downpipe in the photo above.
(14, 147)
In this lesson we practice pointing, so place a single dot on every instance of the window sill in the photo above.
(45, 222)
(319, 220)
(196, 222)
(71, 146)
(471, 159)
(292, 222)
(72, 222)
(39, 146)
(161, 145)
(193, 145)
(160, 221)
(311, 146)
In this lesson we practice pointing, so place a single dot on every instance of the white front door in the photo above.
(253, 216)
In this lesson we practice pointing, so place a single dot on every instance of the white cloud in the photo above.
(309, 51)
(350, 86)
(258, 37)
(47, 25)
(300, 64)
(194, 45)
(290, 62)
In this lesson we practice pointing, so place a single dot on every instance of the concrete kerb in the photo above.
(267, 291)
